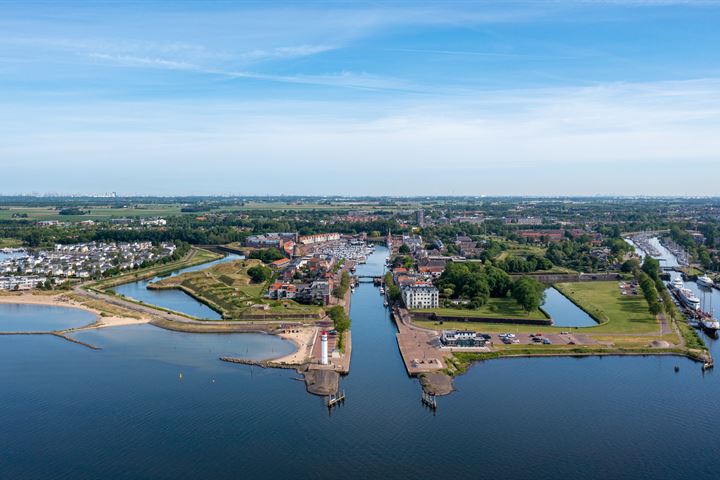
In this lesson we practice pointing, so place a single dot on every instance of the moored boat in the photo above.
(705, 281)
(709, 323)
(688, 298)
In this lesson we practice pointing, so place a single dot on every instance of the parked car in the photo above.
(546, 341)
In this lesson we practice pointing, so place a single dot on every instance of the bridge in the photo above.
(369, 279)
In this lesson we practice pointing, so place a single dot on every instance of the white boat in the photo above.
(709, 323)
(678, 283)
(382, 291)
(688, 298)
(705, 281)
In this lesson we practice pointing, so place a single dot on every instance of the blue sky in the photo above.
(404, 98)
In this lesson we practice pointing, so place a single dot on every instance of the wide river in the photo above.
(126, 412)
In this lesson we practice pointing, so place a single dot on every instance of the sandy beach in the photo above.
(303, 340)
(63, 300)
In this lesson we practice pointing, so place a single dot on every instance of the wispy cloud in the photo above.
(286, 52)
(133, 61)
(345, 79)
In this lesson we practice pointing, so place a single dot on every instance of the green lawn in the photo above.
(603, 300)
(494, 308)
(10, 242)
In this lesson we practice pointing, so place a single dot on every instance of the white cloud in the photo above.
(631, 130)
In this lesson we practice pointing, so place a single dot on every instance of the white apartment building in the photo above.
(420, 296)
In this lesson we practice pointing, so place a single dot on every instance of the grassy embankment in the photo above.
(494, 308)
(105, 309)
(227, 288)
(625, 326)
(196, 256)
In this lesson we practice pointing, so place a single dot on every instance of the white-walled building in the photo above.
(420, 296)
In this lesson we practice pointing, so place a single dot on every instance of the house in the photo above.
(315, 292)
(420, 295)
(279, 290)
(276, 240)
(281, 263)
(433, 270)
(21, 283)
(319, 238)
(461, 338)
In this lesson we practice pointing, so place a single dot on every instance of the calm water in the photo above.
(40, 318)
(667, 259)
(563, 312)
(176, 300)
(123, 412)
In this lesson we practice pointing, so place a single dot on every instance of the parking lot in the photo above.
(563, 338)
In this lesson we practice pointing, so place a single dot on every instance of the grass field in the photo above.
(618, 313)
(519, 250)
(96, 213)
(227, 288)
(10, 242)
(494, 308)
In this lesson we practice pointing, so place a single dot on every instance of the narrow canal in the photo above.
(175, 300)
(563, 312)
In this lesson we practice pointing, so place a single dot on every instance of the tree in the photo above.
(393, 291)
(404, 249)
(408, 262)
(341, 289)
(268, 255)
(529, 293)
(341, 321)
(630, 265)
(651, 266)
(259, 273)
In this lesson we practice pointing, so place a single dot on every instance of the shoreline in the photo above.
(62, 300)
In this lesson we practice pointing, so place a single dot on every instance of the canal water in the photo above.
(563, 312)
(175, 300)
(125, 412)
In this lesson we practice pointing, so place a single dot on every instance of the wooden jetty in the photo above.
(429, 400)
(335, 398)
